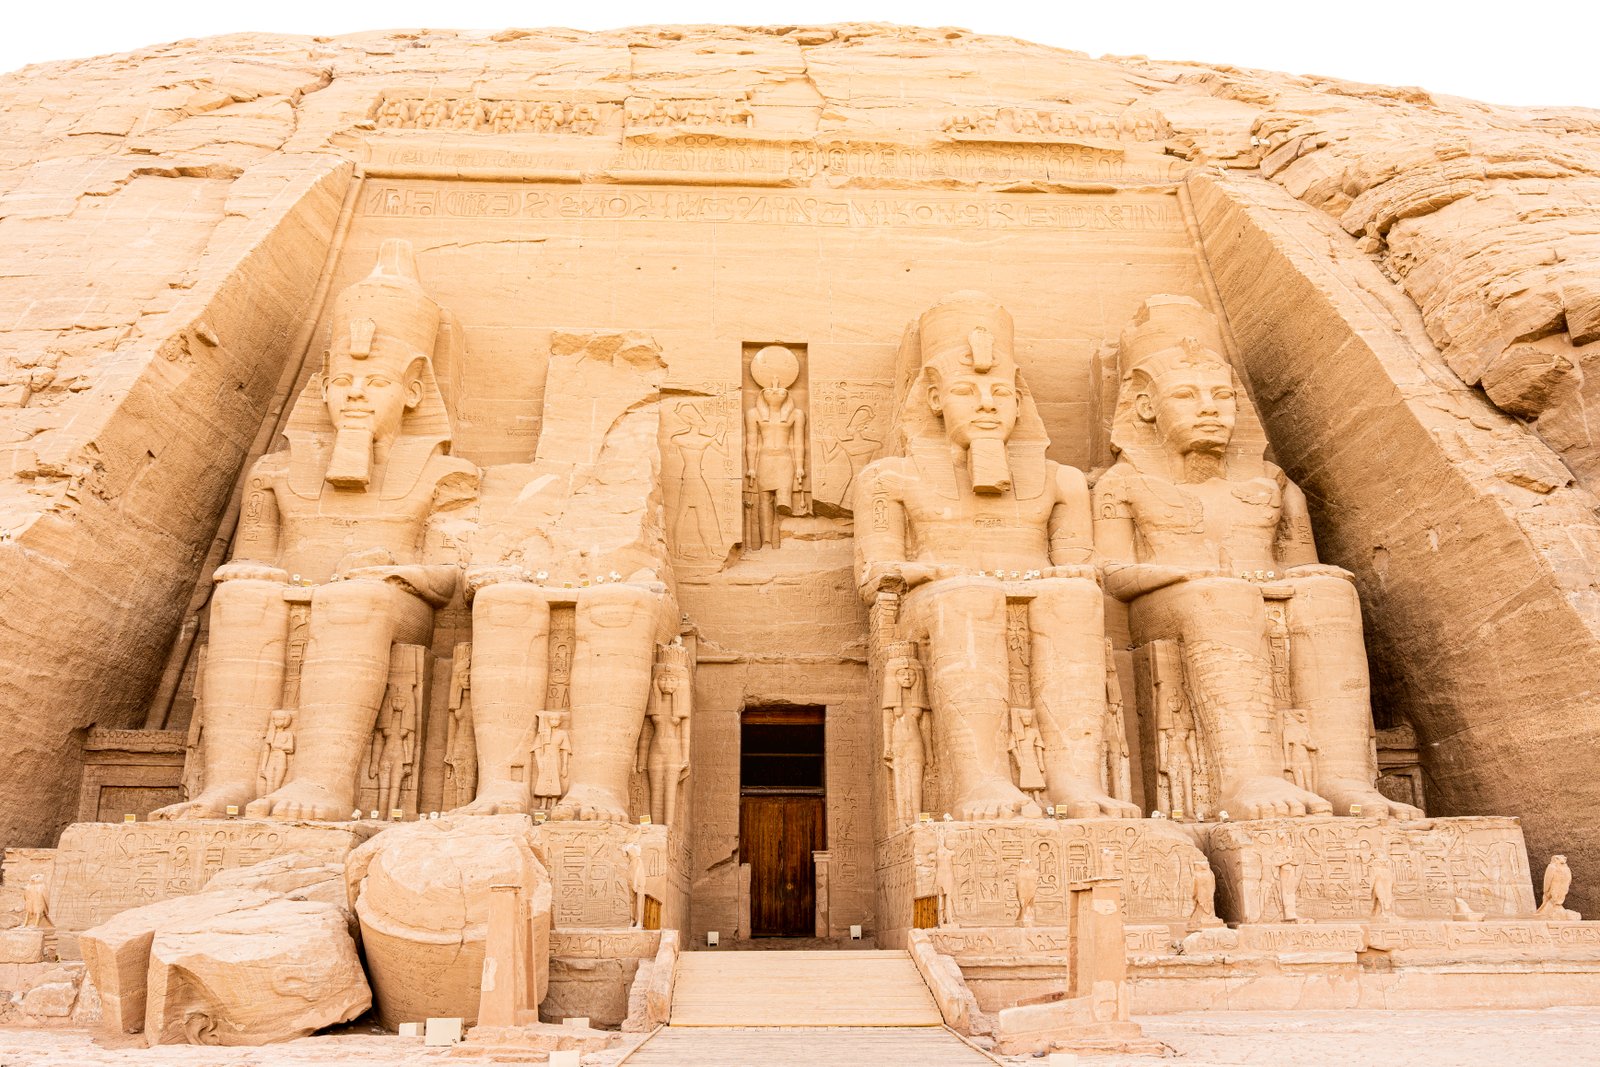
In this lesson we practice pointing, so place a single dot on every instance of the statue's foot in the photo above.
(1272, 798)
(1085, 802)
(497, 798)
(590, 803)
(1373, 804)
(301, 800)
(994, 798)
(210, 804)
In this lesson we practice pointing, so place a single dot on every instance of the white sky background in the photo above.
(1502, 51)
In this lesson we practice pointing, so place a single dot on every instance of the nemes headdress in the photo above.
(1166, 334)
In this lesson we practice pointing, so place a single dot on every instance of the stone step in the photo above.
(802, 988)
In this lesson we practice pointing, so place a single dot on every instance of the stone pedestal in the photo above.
(1326, 868)
(1154, 859)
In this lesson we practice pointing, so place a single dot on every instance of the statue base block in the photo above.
(591, 873)
(102, 869)
(1324, 869)
(1156, 860)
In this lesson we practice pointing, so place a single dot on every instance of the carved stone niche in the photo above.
(129, 772)
(777, 440)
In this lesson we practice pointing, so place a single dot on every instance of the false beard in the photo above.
(351, 464)
(990, 466)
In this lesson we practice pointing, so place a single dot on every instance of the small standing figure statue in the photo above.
(774, 449)
(944, 881)
(1557, 881)
(1027, 751)
(1118, 771)
(36, 903)
(638, 881)
(1027, 890)
(663, 754)
(1299, 750)
(552, 753)
(280, 746)
(1179, 749)
(1382, 889)
(1205, 895)
(394, 748)
(460, 746)
(906, 730)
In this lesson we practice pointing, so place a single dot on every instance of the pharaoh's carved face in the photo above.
(975, 406)
(365, 394)
(1193, 407)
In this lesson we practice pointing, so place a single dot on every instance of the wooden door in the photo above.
(777, 834)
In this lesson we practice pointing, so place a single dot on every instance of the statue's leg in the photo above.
(1068, 677)
(616, 631)
(969, 683)
(353, 625)
(658, 776)
(1222, 625)
(510, 672)
(1328, 668)
(243, 685)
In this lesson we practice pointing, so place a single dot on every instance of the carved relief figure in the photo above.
(347, 507)
(638, 881)
(843, 456)
(1117, 777)
(664, 742)
(1298, 749)
(944, 881)
(1027, 890)
(461, 757)
(1177, 744)
(1196, 529)
(774, 449)
(1205, 894)
(280, 746)
(1382, 888)
(394, 747)
(973, 498)
(696, 530)
(906, 730)
(36, 903)
(1027, 752)
(552, 756)
(1553, 899)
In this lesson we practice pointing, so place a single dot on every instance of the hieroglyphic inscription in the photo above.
(849, 424)
(563, 643)
(610, 945)
(846, 210)
(1481, 860)
(1155, 861)
(1001, 941)
(689, 111)
(1019, 653)
(1133, 124)
(105, 868)
(591, 872)
(477, 114)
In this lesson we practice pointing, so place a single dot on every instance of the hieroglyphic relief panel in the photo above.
(1156, 862)
(390, 775)
(1133, 124)
(730, 109)
(471, 113)
(591, 872)
(849, 771)
(102, 869)
(1329, 865)
(701, 469)
(850, 422)
(992, 941)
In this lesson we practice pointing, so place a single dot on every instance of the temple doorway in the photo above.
(782, 815)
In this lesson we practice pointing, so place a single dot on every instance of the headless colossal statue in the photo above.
(972, 517)
(1198, 534)
(345, 511)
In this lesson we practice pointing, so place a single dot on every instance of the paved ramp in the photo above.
(802, 988)
(837, 1046)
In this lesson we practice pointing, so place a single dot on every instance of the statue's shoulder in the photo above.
(1068, 479)
(270, 469)
(889, 471)
(454, 480)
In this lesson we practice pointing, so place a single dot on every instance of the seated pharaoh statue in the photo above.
(1248, 641)
(989, 546)
(340, 519)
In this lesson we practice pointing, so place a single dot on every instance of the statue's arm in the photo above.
(752, 429)
(1114, 529)
(926, 729)
(1295, 546)
(437, 577)
(888, 735)
(647, 734)
(880, 535)
(1071, 528)
(255, 543)
(797, 447)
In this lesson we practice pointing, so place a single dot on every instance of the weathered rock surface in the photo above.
(421, 894)
(275, 971)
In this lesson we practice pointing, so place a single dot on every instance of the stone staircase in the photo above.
(802, 988)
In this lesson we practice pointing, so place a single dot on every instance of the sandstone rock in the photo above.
(421, 894)
(278, 970)
(295, 875)
(22, 945)
(117, 952)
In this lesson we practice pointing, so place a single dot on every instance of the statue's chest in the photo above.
(1000, 512)
(350, 516)
(1216, 508)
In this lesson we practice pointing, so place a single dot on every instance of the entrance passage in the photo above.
(782, 816)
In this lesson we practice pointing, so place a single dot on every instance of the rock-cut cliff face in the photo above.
(1412, 285)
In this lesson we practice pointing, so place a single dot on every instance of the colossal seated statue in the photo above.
(1211, 548)
(973, 526)
(339, 519)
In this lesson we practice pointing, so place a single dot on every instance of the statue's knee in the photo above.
(349, 603)
(508, 604)
(1068, 601)
(614, 606)
(247, 602)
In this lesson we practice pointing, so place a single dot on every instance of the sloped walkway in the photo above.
(806, 988)
(834, 1046)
